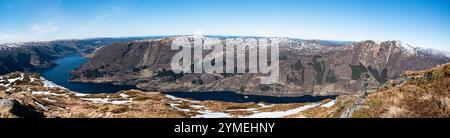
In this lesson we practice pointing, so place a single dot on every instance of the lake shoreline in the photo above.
(60, 74)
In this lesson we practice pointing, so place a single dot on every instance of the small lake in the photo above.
(60, 75)
(240, 98)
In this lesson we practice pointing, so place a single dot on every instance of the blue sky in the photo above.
(424, 23)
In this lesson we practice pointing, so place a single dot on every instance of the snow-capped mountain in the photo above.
(306, 67)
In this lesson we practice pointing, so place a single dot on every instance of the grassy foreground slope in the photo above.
(415, 94)
(424, 94)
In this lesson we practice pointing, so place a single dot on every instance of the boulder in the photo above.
(11, 108)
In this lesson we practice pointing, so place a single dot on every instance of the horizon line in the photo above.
(212, 35)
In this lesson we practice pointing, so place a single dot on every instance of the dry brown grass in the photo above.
(426, 95)
(143, 96)
(117, 108)
(342, 102)
(224, 106)
(236, 113)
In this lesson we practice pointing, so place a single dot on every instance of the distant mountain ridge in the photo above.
(307, 67)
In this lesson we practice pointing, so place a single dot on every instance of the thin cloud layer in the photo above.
(45, 28)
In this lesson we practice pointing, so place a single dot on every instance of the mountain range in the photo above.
(307, 67)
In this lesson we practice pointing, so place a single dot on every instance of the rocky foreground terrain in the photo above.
(29, 95)
(418, 94)
(414, 94)
(307, 67)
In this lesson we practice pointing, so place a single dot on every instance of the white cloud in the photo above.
(44, 28)
(102, 17)
(109, 13)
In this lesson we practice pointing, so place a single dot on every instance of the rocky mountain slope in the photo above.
(419, 94)
(307, 67)
(423, 93)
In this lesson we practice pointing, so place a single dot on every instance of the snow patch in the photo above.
(212, 114)
(96, 100)
(39, 104)
(8, 82)
(180, 99)
(80, 94)
(279, 114)
(107, 101)
(11, 80)
(408, 48)
(46, 99)
(172, 97)
(120, 102)
(15, 79)
(329, 104)
(50, 84)
(124, 95)
(197, 106)
(175, 106)
(10, 89)
(47, 93)
(265, 105)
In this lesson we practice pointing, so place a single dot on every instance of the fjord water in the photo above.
(239, 98)
(60, 75)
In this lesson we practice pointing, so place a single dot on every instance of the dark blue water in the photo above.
(60, 75)
(239, 98)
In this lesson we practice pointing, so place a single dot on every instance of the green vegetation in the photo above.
(319, 68)
(331, 76)
(169, 73)
(270, 87)
(197, 81)
(264, 87)
(384, 75)
(357, 70)
(297, 67)
(382, 78)
(92, 73)
(283, 57)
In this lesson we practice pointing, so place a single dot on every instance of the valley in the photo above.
(132, 79)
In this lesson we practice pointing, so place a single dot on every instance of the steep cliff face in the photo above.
(306, 67)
